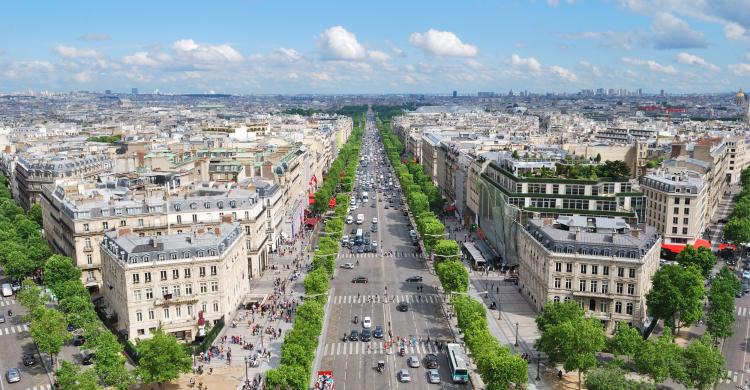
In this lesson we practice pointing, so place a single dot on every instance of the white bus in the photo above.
(457, 363)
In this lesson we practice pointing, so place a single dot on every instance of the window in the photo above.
(214, 286)
(163, 274)
(139, 316)
(164, 290)
(632, 273)
(568, 284)
(618, 307)
(175, 274)
(676, 210)
(676, 200)
(140, 222)
(195, 218)
(557, 282)
(202, 272)
(575, 189)
(604, 306)
(177, 312)
(213, 270)
(188, 289)
(568, 267)
(149, 293)
(123, 223)
(605, 270)
(583, 268)
(629, 308)
(557, 298)
(105, 225)
(594, 269)
(85, 227)
(594, 286)
(605, 287)
(684, 230)
(166, 312)
(675, 220)
(190, 310)
(150, 314)
(147, 277)
(674, 229)
(567, 299)
(621, 272)
(582, 285)
(136, 278)
(555, 188)
(87, 243)
(204, 288)
(179, 219)
(89, 260)
(631, 289)
(558, 267)
(137, 295)
(203, 307)
(619, 288)
(216, 306)
(176, 290)
(686, 210)
(685, 221)
(687, 201)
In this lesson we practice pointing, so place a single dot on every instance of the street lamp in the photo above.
(247, 376)
(516, 334)
(538, 362)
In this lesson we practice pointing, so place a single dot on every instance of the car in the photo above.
(354, 336)
(360, 250)
(375, 220)
(87, 358)
(13, 375)
(414, 279)
(15, 286)
(347, 266)
(745, 274)
(402, 306)
(431, 361)
(433, 376)
(367, 323)
(403, 375)
(349, 220)
(378, 332)
(366, 335)
(413, 361)
(2, 318)
(29, 360)
(79, 340)
(374, 228)
(359, 279)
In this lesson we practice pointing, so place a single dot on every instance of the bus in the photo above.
(365, 197)
(358, 237)
(457, 363)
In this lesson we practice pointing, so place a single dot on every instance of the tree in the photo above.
(701, 257)
(608, 377)
(721, 303)
(161, 359)
(49, 330)
(295, 355)
(30, 295)
(69, 377)
(515, 155)
(660, 359)
(574, 343)
(447, 250)
(503, 371)
(598, 158)
(737, 231)
(18, 265)
(741, 208)
(418, 202)
(79, 310)
(676, 296)
(453, 275)
(59, 269)
(617, 169)
(316, 282)
(627, 341)
(556, 313)
(109, 363)
(287, 377)
(69, 289)
(704, 364)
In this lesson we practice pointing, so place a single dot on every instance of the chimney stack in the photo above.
(124, 231)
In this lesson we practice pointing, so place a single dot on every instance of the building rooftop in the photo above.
(684, 182)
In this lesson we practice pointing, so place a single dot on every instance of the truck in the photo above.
(360, 219)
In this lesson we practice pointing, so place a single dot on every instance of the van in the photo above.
(7, 290)
(360, 219)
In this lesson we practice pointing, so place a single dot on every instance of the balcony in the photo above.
(88, 248)
(599, 294)
(170, 299)
(91, 281)
(599, 315)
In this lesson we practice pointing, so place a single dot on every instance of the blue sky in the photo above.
(384, 46)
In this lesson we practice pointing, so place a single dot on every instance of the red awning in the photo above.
(727, 246)
(450, 208)
(311, 200)
(677, 248)
(311, 221)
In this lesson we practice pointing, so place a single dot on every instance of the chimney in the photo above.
(636, 233)
(124, 231)
(153, 242)
(217, 231)
(226, 218)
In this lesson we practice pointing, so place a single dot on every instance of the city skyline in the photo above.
(260, 47)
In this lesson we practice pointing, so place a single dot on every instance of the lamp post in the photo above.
(538, 363)
(247, 376)
(516, 334)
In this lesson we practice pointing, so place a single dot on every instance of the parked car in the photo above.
(414, 279)
(29, 360)
(13, 375)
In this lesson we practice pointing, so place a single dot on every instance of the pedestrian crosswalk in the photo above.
(410, 298)
(14, 329)
(42, 387)
(7, 302)
(732, 376)
(378, 255)
(743, 311)
(376, 348)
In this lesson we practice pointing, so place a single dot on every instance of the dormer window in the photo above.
(207, 205)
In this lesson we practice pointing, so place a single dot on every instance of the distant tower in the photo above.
(739, 98)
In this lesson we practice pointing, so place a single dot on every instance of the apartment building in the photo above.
(738, 158)
(676, 206)
(177, 282)
(601, 263)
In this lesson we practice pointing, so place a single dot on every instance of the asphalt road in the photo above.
(354, 362)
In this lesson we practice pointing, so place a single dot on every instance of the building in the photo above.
(601, 263)
(676, 206)
(175, 282)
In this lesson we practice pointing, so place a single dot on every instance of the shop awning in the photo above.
(487, 252)
(450, 208)
(311, 221)
(476, 255)
(727, 246)
(677, 248)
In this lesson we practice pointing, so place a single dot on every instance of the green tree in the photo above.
(515, 155)
(287, 377)
(503, 371)
(660, 359)
(59, 269)
(608, 377)
(295, 355)
(109, 363)
(737, 231)
(49, 330)
(18, 265)
(453, 275)
(721, 303)
(161, 359)
(627, 341)
(447, 250)
(676, 296)
(617, 169)
(556, 313)
(79, 310)
(701, 257)
(418, 202)
(704, 364)
(598, 158)
(574, 343)
(30, 295)
(70, 377)
(316, 282)
(741, 209)
(69, 289)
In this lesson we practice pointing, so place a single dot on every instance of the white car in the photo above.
(347, 266)
(367, 323)
(349, 219)
(375, 220)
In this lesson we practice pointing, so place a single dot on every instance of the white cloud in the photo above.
(741, 70)
(652, 65)
(336, 43)
(82, 77)
(563, 73)
(442, 44)
(691, 59)
(735, 32)
(378, 56)
(319, 76)
(398, 52)
(74, 52)
(148, 59)
(606, 39)
(206, 54)
(671, 32)
(288, 55)
(96, 37)
(474, 64)
(519, 62)
(18, 69)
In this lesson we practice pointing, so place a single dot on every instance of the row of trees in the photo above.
(300, 343)
(497, 366)
(737, 229)
(571, 339)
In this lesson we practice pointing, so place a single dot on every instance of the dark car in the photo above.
(360, 249)
(402, 306)
(366, 335)
(414, 279)
(359, 279)
(431, 361)
(29, 360)
(723, 220)
(378, 332)
(354, 336)
(79, 340)
(88, 358)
